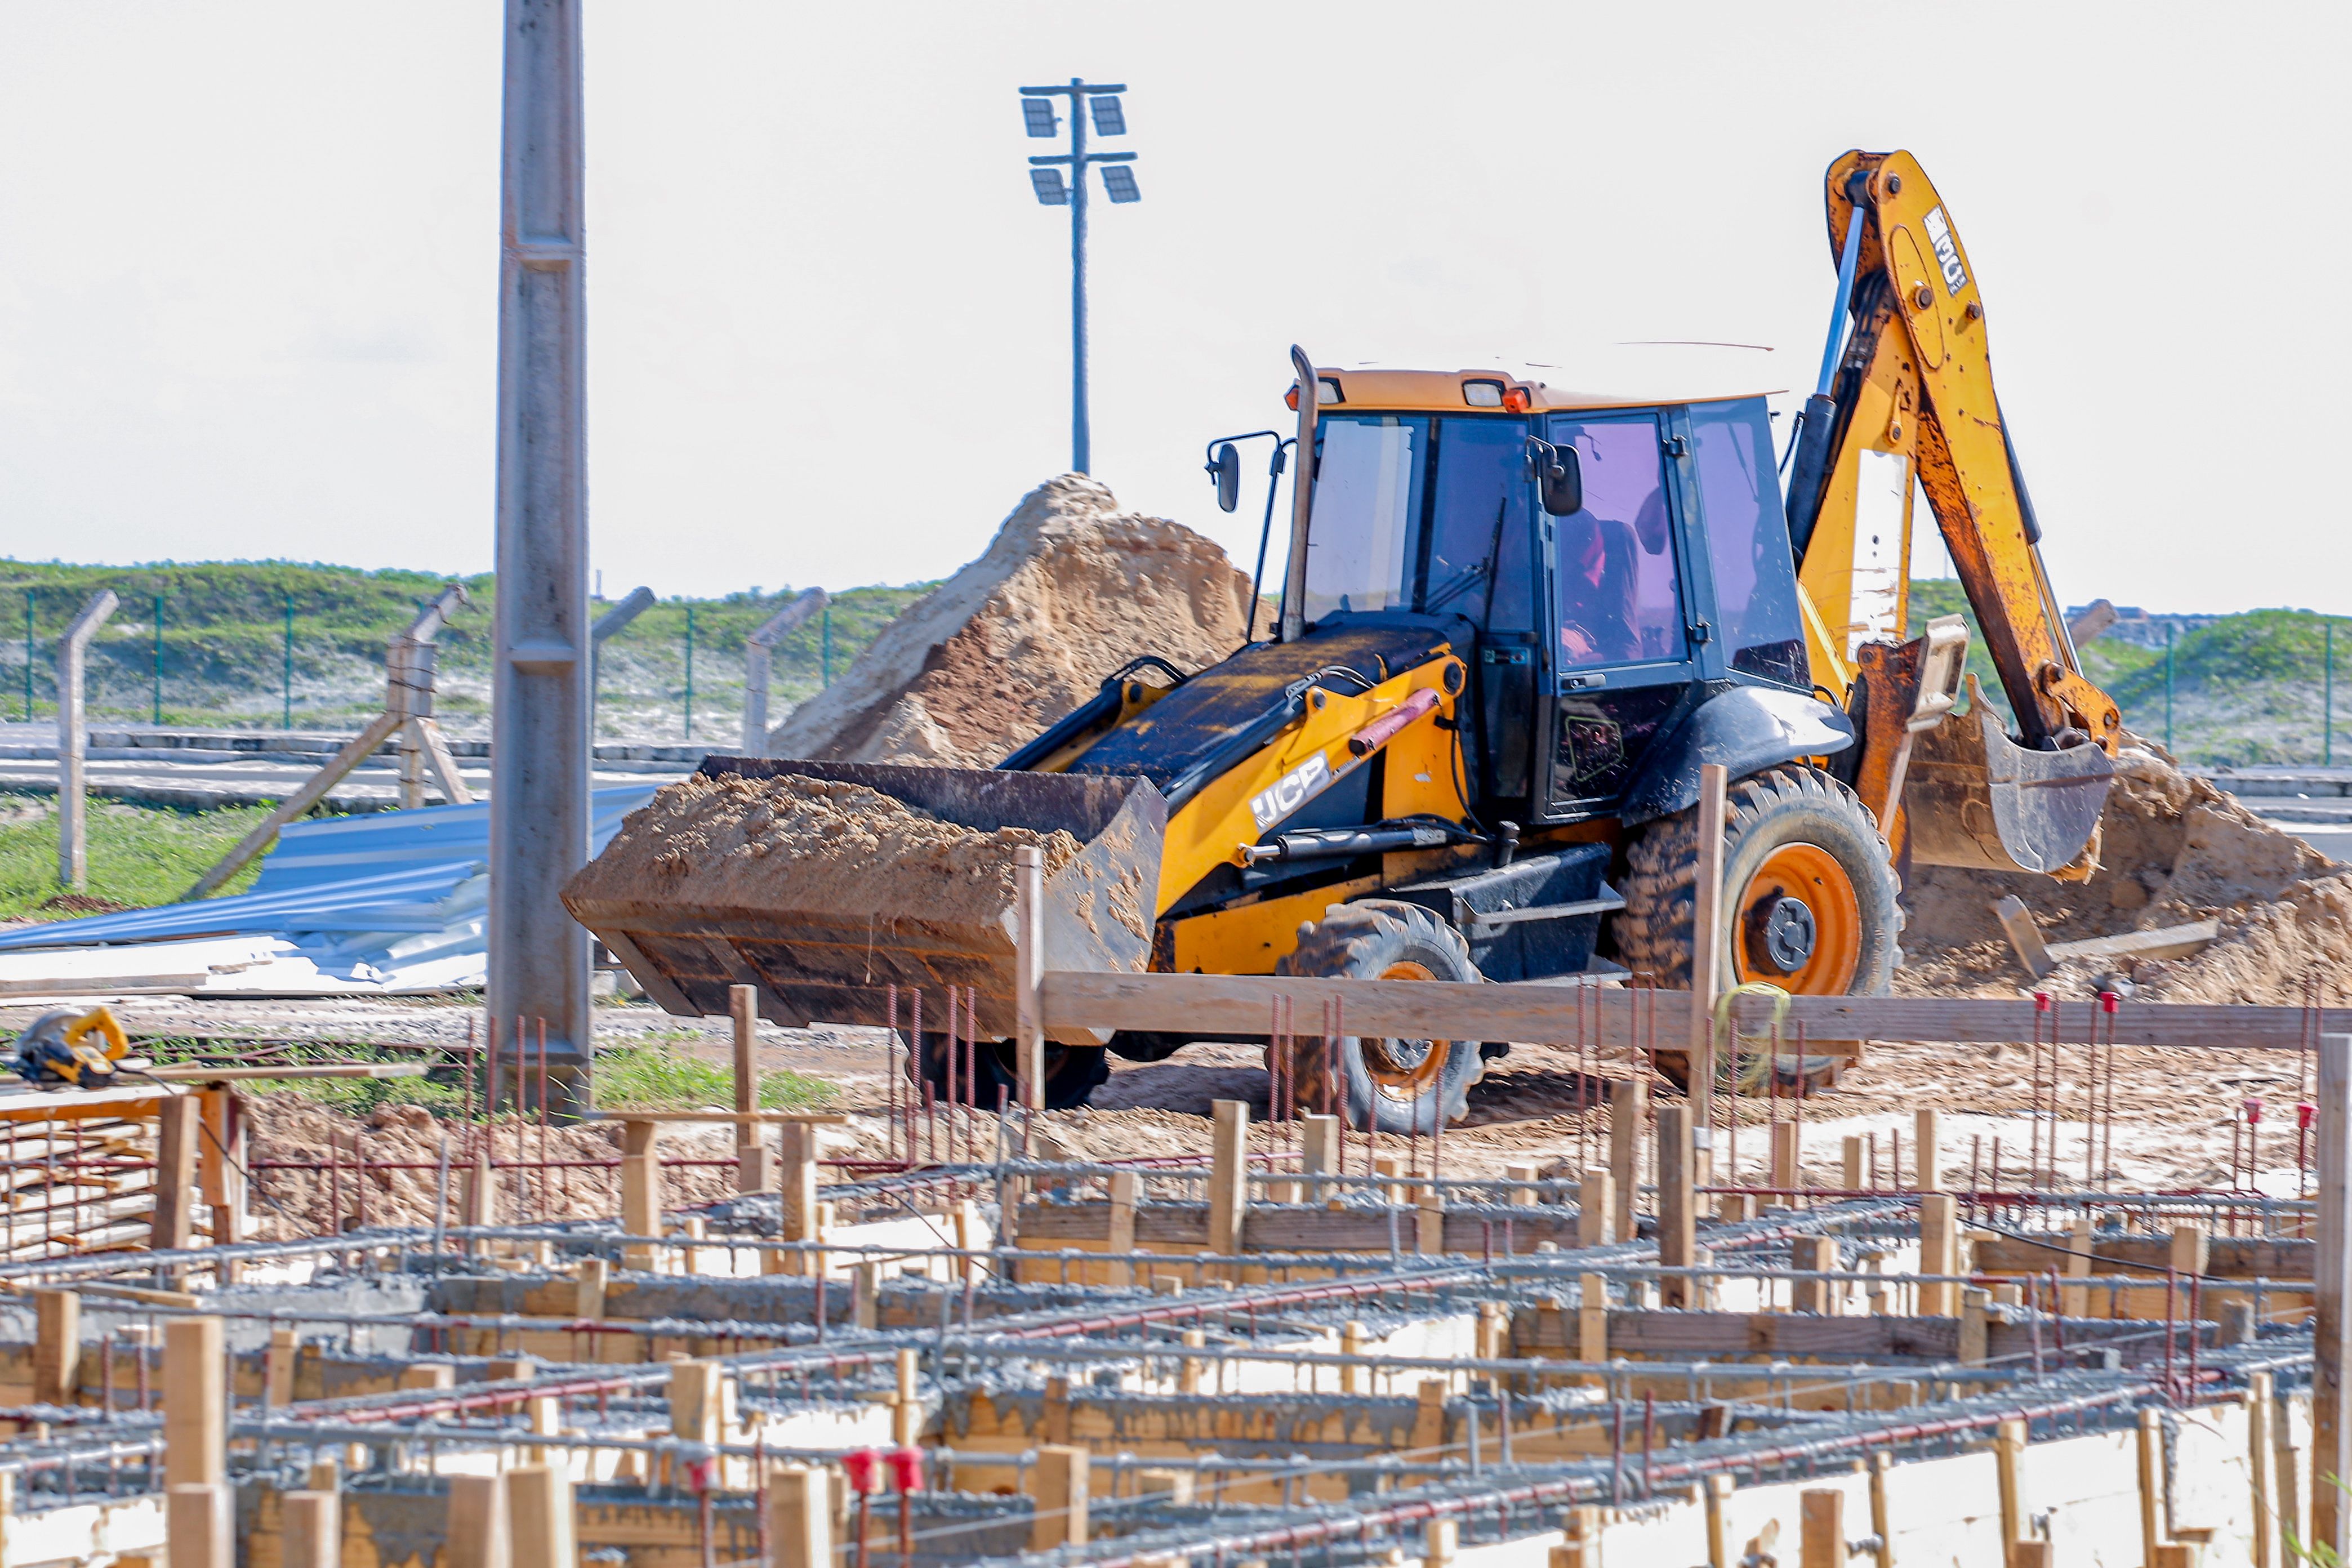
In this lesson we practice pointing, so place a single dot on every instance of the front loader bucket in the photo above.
(1974, 798)
(819, 951)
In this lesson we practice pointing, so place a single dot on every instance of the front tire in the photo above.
(1809, 894)
(1073, 1073)
(1389, 1084)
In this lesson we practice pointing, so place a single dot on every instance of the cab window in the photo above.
(1367, 511)
(1481, 553)
(1747, 542)
(1617, 597)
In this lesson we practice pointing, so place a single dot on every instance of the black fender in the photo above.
(1746, 728)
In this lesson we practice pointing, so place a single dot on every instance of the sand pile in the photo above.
(807, 844)
(1070, 589)
(2176, 849)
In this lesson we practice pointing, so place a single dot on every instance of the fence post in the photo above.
(73, 739)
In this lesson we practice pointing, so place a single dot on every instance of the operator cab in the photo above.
(1667, 579)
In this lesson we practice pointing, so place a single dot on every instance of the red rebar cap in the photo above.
(2107, 1001)
(2304, 1115)
(2041, 1001)
(2253, 1109)
(864, 1468)
(906, 1468)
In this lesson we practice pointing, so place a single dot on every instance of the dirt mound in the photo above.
(2176, 849)
(1070, 589)
(797, 843)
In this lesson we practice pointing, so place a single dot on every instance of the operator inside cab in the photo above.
(1603, 551)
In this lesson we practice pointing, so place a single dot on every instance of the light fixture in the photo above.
(1119, 180)
(1110, 120)
(1483, 394)
(1051, 191)
(1039, 114)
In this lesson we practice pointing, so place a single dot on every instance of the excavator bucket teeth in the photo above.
(813, 958)
(1974, 798)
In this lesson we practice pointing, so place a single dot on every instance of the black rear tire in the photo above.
(1785, 816)
(1391, 1085)
(1073, 1073)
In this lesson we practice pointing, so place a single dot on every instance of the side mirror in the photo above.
(1227, 471)
(1558, 478)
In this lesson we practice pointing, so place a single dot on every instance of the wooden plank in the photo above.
(200, 1524)
(479, 1534)
(2165, 941)
(1546, 1014)
(800, 1517)
(200, 1074)
(1596, 1206)
(57, 1347)
(1228, 1181)
(743, 1009)
(2024, 936)
(1058, 1486)
(1628, 1120)
(1029, 1010)
(1821, 1528)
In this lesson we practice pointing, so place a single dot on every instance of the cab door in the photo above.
(1620, 624)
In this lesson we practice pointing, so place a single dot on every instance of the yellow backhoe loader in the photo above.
(1514, 622)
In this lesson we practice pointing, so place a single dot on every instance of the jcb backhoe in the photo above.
(1514, 622)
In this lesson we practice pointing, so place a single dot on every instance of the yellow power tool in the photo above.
(57, 1050)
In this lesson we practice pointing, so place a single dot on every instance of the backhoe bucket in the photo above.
(1974, 798)
(817, 956)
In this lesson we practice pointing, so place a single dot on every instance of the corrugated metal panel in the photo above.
(364, 898)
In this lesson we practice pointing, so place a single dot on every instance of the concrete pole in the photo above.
(639, 601)
(757, 650)
(539, 809)
(73, 739)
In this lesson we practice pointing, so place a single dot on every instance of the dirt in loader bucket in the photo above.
(825, 884)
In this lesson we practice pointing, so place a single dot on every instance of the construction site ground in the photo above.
(2172, 1124)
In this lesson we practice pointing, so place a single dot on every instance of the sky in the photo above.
(248, 260)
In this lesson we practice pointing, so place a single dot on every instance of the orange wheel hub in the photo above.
(1403, 1070)
(1797, 924)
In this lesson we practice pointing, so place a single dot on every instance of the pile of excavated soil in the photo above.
(2176, 849)
(1070, 589)
(795, 843)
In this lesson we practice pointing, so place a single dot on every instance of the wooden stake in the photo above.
(278, 1367)
(2074, 1301)
(1927, 1152)
(743, 1011)
(176, 1137)
(57, 1347)
(694, 1401)
(1821, 1530)
(200, 1522)
(1678, 1206)
(1818, 1254)
(2331, 1422)
(1718, 1527)
(1318, 1153)
(195, 1416)
(2261, 1410)
(588, 1290)
(1058, 1487)
(1124, 1186)
(800, 1517)
(641, 1204)
(1629, 1113)
(1706, 938)
(1881, 1521)
(2008, 1458)
(907, 1407)
(538, 1505)
(1228, 1179)
(1788, 1171)
(1849, 1170)
(800, 1201)
(477, 1535)
(1939, 1253)
(1596, 1207)
(311, 1530)
(1028, 972)
(1591, 1321)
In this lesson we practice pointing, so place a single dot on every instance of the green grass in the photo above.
(138, 856)
(658, 1077)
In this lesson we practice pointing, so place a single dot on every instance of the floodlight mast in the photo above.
(1114, 123)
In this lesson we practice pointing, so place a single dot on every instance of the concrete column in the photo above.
(540, 808)
(73, 739)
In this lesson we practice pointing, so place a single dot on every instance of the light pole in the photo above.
(1046, 178)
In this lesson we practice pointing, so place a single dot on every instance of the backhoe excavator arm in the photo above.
(1914, 391)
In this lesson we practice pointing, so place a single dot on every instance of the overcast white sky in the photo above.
(248, 258)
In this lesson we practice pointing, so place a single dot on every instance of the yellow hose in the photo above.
(1744, 1076)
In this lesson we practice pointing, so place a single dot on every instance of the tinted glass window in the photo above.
(1747, 542)
(1368, 481)
(1619, 602)
(1481, 552)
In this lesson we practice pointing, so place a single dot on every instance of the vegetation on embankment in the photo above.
(224, 646)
